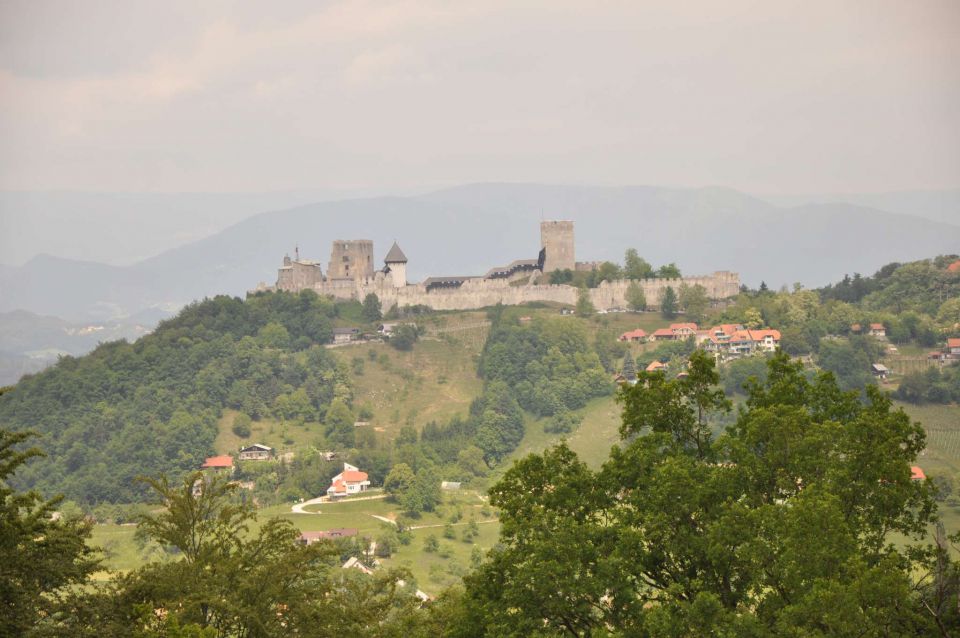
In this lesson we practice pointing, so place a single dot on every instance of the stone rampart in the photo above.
(480, 293)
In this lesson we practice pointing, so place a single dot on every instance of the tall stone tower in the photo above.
(396, 263)
(351, 259)
(556, 240)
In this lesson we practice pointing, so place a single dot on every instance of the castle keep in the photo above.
(350, 275)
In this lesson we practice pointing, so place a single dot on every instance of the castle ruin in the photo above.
(350, 275)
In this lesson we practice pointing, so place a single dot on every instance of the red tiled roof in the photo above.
(663, 332)
(877, 326)
(760, 335)
(953, 343)
(351, 476)
(954, 267)
(655, 365)
(855, 327)
(916, 474)
(633, 334)
(218, 461)
(681, 326)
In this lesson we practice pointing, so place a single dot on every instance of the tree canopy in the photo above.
(781, 525)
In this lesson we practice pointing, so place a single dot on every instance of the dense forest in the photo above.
(152, 406)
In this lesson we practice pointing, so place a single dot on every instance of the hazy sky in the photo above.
(769, 97)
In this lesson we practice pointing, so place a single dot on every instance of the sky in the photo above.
(221, 96)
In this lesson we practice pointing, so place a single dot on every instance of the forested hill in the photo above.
(151, 407)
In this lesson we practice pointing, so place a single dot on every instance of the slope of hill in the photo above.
(471, 228)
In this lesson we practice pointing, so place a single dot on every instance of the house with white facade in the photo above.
(256, 452)
(350, 481)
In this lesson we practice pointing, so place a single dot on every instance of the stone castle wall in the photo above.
(480, 293)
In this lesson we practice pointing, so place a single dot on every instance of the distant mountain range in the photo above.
(468, 229)
(939, 206)
(30, 342)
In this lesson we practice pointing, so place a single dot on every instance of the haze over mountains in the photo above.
(468, 229)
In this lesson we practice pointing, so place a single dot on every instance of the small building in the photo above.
(953, 348)
(877, 330)
(856, 328)
(767, 340)
(256, 452)
(741, 342)
(525, 319)
(222, 462)
(916, 473)
(936, 355)
(308, 538)
(656, 366)
(345, 335)
(350, 481)
(386, 329)
(449, 485)
(880, 371)
(683, 330)
(663, 334)
(635, 336)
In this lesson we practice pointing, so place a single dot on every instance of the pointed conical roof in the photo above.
(395, 256)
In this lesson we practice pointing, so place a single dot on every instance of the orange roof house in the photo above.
(655, 366)
(953, 347)
(634, 335)
(684, 329)
(350, 481)
(954, 267)
(663, 333)
(224, 461)
(916, 473)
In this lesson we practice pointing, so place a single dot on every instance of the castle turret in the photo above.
(396, 263)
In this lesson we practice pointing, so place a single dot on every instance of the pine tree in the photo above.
(668, 303)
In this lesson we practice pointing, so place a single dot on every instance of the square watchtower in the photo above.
(556, 240)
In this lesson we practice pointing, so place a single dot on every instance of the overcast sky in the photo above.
(768, 97)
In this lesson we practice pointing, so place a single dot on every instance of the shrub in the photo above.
(241, 425)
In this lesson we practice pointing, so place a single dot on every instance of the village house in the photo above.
(683, 330)
(308, 538)
(345, 335)
(350, 481)
(877, 330)
(953, 349)
(916, 473)
(855, 328)
(655, 366)
(635, 336)
(740, 342)
(663, 334)
(255, 452)
(766, 340)
(220, 463)
(880, 371)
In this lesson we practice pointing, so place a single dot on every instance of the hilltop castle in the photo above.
(351, 275)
